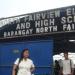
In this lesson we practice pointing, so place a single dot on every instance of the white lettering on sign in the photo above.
(70, 11)
(41, 22)
(44, 23)
(23, 25)
(46, 29)
(18, 33)
(68, 19)
(68, 27)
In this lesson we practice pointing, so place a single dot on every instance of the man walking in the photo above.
(67, 66)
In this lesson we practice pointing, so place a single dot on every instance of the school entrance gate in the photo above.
(35, 31)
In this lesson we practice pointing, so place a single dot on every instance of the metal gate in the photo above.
(40, 53)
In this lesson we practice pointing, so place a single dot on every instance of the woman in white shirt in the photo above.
(24, 65)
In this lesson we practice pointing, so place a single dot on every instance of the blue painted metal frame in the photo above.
(40, 53)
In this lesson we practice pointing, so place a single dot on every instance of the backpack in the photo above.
(17, 68)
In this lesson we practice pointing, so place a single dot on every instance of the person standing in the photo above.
(56, 68)
(67, 66)
(24, 65)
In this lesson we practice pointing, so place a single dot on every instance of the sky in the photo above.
(10, 8)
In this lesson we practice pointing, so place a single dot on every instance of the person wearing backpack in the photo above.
(67, 66)
(23, 65)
